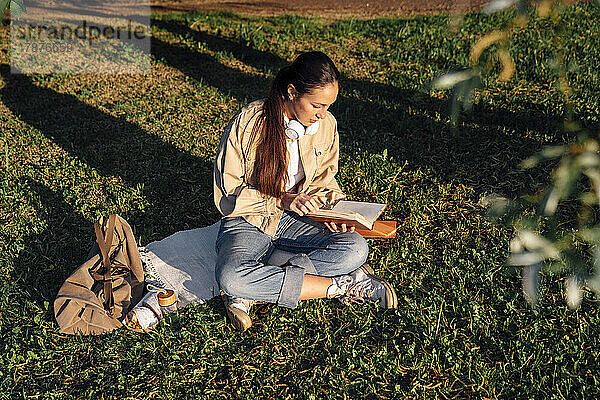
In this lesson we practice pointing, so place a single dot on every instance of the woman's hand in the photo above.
(332, 226)
(300, 203)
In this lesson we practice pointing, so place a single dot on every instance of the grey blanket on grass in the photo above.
(185, 262)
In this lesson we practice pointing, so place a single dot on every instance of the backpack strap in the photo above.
(105, 243)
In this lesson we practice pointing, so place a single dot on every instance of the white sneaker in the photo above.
(238, 311)
(360, 286)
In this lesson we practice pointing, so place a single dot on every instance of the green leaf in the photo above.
(4, 5)
(521, 7)
(573, 292)
(565, 177)
(549, 203)
(525, 258)
(21, 4)
(587, 160)
(535, 243)
(594, 176)
(552, 152)
(590, 235)
(588, 198)
(463, 84)
(556, 267)
(498, 5)
(531, 283)
(548, 152)
(15, 9)
(495, 205)
(451, 79)
(594, 282)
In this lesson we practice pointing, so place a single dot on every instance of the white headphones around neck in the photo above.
(295, 130)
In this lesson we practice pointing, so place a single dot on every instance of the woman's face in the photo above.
(312, 106)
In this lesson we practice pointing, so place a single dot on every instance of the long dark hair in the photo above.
(308, 71)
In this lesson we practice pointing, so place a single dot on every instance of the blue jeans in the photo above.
(243, 249)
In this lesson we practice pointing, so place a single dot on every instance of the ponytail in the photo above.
(308, 71)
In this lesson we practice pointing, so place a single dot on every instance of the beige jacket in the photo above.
(235, 192)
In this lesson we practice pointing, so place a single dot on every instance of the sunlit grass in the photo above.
(73, 147)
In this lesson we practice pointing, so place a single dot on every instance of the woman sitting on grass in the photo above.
(276, 162)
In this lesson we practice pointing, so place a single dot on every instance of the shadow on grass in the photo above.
(51, 255)
(483, 151)
(177, 185)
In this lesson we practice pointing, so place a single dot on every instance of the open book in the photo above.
(358, 213)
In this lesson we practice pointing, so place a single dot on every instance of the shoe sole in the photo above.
(239, 319)
(391, 300)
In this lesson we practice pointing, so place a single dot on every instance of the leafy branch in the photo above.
(550, 240)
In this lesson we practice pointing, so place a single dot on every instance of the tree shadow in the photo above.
(177, 185)
(50, 256)
(203, 68)
(484, 150)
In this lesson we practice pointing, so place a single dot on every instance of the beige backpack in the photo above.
(95, 298)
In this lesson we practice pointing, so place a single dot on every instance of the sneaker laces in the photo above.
(339, 286)
(361, 291)
(362, 287)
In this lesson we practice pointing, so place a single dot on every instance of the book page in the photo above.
(370, 211)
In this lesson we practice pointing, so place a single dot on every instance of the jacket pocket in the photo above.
(319, 156)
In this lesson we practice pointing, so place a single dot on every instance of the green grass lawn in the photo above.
(73, 147)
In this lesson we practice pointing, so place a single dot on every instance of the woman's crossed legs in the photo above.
(243, 249)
